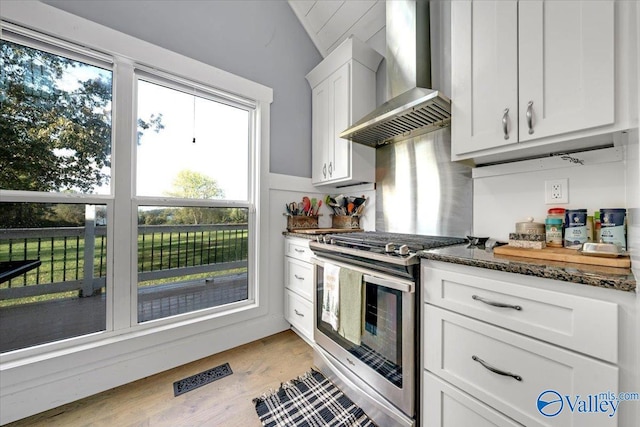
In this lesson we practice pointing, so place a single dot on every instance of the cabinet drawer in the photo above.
(299, 277)
(460, 350)
(298, 249)
(445, 406)
(583, 324)
(299, 312)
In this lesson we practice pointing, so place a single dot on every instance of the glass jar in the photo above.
(553, 231)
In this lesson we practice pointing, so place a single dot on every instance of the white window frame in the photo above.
(128, 55)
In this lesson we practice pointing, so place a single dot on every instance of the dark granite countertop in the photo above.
(604, 277)
(300, 235)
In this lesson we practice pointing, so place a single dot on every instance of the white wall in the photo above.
(510, 193)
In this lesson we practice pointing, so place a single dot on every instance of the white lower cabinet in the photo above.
(298, 292)
(447, 406)
(299, 312)
(509, 371)
(502, 361)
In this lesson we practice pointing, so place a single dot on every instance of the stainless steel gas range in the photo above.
(366, 326)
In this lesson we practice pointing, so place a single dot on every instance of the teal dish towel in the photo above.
(351, 305)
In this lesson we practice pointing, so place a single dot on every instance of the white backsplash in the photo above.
(515, 193)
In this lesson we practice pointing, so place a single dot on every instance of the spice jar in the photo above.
(553, 232)
(596, 226)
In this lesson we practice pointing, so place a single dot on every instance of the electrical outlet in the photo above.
(556, 191)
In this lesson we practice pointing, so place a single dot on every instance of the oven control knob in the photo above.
(389, 247)
(403, 250)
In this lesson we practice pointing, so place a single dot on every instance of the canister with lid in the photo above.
(575, 231)
(556, 213)
(529, 227)
(553, 232)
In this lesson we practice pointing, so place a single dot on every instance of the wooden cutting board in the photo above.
(326, 230)
(563, 255)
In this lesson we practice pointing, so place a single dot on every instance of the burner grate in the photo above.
(416, 242)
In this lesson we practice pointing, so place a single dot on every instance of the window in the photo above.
(70, 204)
(55, 145)
(198, 156)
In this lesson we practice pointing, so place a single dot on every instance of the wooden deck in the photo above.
(38, 323)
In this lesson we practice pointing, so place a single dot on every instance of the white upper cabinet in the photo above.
(530, 73)
(343, 90)
(566, 65)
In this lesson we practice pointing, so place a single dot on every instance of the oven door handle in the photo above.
(398, 286)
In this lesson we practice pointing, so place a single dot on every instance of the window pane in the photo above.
(53, 260)
(190, 146)
(190, 259)
(55, 117)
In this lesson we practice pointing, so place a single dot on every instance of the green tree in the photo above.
(55, 133)
(52, 139)
(195, 185)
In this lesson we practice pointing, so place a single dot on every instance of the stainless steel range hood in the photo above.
(413, 109)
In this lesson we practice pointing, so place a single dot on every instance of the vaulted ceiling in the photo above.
(330, 22)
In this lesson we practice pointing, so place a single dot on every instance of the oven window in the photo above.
(379, 344)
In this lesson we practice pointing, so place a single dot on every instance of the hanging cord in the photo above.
(194, 116)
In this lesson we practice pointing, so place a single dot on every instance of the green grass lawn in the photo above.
(63, 257)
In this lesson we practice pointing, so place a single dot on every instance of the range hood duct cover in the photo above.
(418, 109)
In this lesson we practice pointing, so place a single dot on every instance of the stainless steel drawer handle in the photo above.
(324, 170)
(298, 313)
(298, 277)
(530, 116)
(300, 251)
(330, 169)
(505, 119)
(496, 370)
(495, 303)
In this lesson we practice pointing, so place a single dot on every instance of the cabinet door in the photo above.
(445, 406)
(566, 56)
(320, 132)
(484, 74)
(339, 149)
(299, 312)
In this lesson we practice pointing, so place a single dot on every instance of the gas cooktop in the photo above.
(380, 250)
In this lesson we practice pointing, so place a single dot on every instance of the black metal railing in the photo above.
(74, 258)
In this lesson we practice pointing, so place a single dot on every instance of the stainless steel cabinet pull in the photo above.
(298, 277)
(330, 169)
(530, 116)
(495, 303)
(298, 313)
(324, 170)
(496, 370)
(299, 250)
(505, 118)
(350, 362)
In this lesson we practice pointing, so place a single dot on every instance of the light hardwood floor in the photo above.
(257, 367)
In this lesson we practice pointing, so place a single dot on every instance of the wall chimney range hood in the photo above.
(413, 109)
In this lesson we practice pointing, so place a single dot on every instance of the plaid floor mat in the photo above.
(309, 401)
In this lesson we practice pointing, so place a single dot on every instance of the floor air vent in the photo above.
(203, 378)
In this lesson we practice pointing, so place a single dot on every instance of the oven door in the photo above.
(384, 355)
